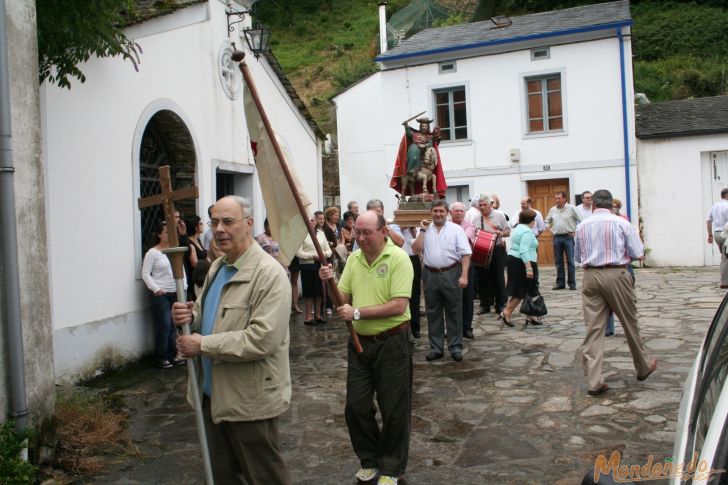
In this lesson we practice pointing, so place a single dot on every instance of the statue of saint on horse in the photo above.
(418, 169)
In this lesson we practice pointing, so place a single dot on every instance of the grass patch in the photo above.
(680, 77)
(89, 426)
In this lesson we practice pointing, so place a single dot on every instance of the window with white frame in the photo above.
(544, 104)
(451, 113)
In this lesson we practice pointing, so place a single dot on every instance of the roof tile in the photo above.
(539, 23)
(700, 116)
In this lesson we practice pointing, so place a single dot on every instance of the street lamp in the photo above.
(256, 36)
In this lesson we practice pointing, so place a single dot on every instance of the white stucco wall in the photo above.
(589, 152)
(672, 185)
(91, 144)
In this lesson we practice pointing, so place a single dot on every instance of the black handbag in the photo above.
(534, 306)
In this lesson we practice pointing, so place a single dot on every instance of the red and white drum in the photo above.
(483, 248)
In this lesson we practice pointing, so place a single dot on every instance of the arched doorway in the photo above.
(166, 140)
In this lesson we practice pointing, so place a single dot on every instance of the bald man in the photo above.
(375, 287)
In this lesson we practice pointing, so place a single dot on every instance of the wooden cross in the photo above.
(167, 198)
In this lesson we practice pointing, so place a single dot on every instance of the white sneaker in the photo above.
(387, 480)
(329, 311)
(367, 474)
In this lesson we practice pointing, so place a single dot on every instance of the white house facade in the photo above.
(538, 104)
(103, 143)
(682, 153)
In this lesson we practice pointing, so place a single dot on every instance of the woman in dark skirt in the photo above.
(522, 267)
(311, 285)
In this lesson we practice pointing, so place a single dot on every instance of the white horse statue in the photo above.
(423, 175)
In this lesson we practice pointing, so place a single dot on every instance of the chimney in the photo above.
(382, 26)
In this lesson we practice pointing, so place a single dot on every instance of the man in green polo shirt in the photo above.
(375, 288)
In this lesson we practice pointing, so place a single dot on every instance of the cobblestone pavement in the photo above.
(514, 411)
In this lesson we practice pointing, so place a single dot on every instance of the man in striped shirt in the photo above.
(605, 244)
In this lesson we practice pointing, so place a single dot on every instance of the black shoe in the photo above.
(557, 287)
(320, 321)
(433, 356)
(457, 356)
(416, 334)
(310, 322)
(572, 287)
(483, 310)
(164, 364)
(609, 334)
(503, 318)
(468, 333)
(179, 362)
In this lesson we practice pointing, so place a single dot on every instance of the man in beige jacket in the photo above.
(243, 341)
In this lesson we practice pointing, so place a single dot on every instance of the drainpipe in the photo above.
(625, 125)
(11, 278)
(382, 26)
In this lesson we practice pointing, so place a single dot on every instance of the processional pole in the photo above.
(239, 56)
(176, 256)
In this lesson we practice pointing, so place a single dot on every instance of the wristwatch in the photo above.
(357, 314)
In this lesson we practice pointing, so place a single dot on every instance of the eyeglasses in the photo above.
(225, 222)
(364, 232)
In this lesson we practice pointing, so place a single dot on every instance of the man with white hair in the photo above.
(241, 334)
(473, 213)
(353, 207)
(491, 280)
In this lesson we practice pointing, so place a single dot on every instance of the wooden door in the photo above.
(542, 194)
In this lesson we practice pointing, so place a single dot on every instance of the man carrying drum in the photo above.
(491, 278)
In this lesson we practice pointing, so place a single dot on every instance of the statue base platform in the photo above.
(411, 212)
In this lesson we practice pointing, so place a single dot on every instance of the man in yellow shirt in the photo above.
(375, 287)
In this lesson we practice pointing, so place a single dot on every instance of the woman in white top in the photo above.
(312, 288)
(157, 275)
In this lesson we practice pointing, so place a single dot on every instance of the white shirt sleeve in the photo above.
(149, 259)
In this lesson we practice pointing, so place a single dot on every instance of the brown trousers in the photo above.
(245, 452)
(605, 289)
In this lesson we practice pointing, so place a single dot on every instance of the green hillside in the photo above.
(680, 48)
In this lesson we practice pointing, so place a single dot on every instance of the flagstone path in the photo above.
(514, 411)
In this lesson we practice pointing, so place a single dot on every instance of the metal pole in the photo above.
(175, 256)
(11, 275)
(382, 26)
(625, 124)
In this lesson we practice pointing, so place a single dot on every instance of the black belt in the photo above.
(441, 270)
(563, 235)
(386, 334)
(607, 266)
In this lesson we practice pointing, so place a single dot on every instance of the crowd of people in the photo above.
(377, 275)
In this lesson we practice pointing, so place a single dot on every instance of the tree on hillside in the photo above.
(71, 31)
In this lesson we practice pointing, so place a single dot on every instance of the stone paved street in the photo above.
(515, 411)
